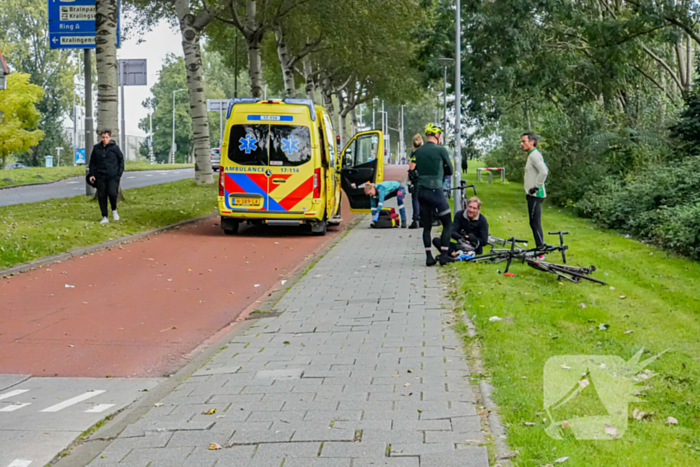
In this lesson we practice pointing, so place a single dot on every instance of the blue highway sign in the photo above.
(72, 24)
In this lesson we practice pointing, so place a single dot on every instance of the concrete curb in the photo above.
(39, 183)
(83, 452)
(74, 176)
(493, 419)
(83, 250)
(483, 392)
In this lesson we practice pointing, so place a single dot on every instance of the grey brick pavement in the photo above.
(362, 368)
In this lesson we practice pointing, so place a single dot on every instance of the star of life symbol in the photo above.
(589, 395)
(248, 144)
(289, 145)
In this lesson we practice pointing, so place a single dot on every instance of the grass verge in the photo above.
(649, 292)
(31, 231)
(52, 174)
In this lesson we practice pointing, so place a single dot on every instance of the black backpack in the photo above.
(388, 219)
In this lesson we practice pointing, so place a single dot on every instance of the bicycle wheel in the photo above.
(578, 273)
(489, 258)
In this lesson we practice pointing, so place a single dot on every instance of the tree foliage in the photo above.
(19, 115)
(24, 42)
(601, 81)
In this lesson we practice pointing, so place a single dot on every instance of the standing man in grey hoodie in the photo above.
(536, 172)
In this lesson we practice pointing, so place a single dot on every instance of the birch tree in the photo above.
(191, 27)
(106, 18)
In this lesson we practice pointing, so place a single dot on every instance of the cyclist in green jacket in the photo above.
(432, 163)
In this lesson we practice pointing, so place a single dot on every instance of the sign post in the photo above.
(132, 72)
(72, 26)
(218, 105)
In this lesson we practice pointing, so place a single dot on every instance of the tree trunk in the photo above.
(285, 63)
(309, 78)
(253, 41)
(106, 16)
(690, 62)
(198, 108)
(327, 93)
(343, 112)
(353, 121)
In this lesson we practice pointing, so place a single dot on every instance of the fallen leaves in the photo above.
(611, 430)
(209, 412)
(603, 327)
(214, 446)
(561, 460)
(640, 415)
(671, 421)
(495, 318)
(622, 297)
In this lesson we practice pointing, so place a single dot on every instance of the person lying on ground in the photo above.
(470, 229)
(378, 194)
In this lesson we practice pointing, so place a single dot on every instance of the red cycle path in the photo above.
(140, 309)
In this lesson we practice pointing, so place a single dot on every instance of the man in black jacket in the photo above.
(106, 169)
(470, 229)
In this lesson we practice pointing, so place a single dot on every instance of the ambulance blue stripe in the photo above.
(271, 118)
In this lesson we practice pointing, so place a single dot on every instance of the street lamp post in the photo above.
(444, 62)
(458, 105)
(173, 147)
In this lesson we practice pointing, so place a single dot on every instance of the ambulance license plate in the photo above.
(246, 201)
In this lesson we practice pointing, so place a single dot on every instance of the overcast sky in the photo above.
(154, 47)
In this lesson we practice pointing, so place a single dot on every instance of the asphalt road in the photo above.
(76, 186)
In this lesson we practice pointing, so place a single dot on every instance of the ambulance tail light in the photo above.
(317, 183)
(221, 181)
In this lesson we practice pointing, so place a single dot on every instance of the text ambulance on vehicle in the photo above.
(279, 166)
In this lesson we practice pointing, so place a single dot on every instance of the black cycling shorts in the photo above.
(435, 200)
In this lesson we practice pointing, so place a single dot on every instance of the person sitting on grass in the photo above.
(470, 229)
(378, 194)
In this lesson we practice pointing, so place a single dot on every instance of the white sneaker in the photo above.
(115, 215)
(104, 221)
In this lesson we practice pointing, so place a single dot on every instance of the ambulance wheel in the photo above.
(320, 228)
(230, 226)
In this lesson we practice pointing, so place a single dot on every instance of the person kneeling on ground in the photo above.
(470, 229)
(378, 194)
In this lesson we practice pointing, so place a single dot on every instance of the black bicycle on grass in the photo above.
(534, 257)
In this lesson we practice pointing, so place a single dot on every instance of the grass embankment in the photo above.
(31, 231)
(52, 174)
(654, 295)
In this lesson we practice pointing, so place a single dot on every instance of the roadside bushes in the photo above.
(625, 175)
(659, 204)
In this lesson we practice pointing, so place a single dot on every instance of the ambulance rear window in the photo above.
(289, 145)
(248, 144)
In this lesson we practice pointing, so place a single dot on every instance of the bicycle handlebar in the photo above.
(516, 240)
(463, 187)
(558, 232)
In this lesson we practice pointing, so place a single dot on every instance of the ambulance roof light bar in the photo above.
(307, 102)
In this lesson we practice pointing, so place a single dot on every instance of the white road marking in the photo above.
(20, 463)
(14, 393)
(149, 175)
(73, 401)
(71, 183)
(99, 408)
(13, 407)
(131, 177)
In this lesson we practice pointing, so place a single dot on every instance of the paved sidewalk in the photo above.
(361, 368)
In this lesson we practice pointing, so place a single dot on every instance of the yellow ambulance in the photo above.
(279, 166)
